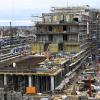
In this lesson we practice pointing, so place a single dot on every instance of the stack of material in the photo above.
(98, 96)
(92, 98)
(60, 97)
(83, 97)
(73, 97)
(44, 99)
(1, 94)
(14, 96)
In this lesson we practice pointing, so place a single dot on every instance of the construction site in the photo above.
(57, 60)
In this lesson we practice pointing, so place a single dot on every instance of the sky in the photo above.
(23, 10)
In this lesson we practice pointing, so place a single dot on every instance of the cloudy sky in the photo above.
(24, 9)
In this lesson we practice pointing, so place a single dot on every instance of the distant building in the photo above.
(70, 28)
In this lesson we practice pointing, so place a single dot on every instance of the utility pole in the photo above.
(11, 35)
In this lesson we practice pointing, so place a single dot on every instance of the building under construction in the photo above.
(68, 28)
(70, 32)
(44, 75)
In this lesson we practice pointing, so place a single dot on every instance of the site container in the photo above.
(31, 90)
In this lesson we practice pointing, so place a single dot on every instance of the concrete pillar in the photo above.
(46, 83)
(61, 76)
(87, 27)
(5, 79)
(52, 83)
(30, 80)
(78, 37)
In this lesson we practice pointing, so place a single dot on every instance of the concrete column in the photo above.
(52, 83)
(87, 27)
(30, 80)
(46, 82)
(61, 75)
(5, 79)
(78, 37)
